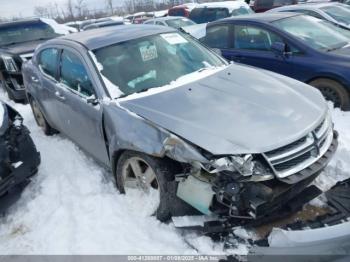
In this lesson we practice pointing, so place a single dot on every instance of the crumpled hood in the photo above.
(23, 48)
(237, 110)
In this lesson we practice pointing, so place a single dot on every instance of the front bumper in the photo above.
(13, 83)
(261, 201)
(324, 238)
(17, 165)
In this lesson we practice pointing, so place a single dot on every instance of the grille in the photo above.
(298, 155)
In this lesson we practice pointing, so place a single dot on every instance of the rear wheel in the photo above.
(333, 91)
(40, 119)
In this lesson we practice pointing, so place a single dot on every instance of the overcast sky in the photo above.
(10, 8)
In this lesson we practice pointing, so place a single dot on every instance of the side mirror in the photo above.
(92, 100)
(217, 51)
(279, 48)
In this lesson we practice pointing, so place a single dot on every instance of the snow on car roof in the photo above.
(94, 39)
(231, 5)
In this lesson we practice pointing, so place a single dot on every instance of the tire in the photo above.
(333, 91)
(164, 171)
(40, 119)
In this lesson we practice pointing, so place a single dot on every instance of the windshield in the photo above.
(153, 61)
(314, 32)
(242, 11)
(181, 22)
(17, 33)
(338, 13)
(205, 15)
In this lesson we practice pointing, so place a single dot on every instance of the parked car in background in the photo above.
(103, 24)
(139, 18)
(19, 159)
(336, 13)
(172, 21)
(308, 49)
(17, 43)
(346, 2)
(260, 6)
(174, 120)
(181, 10)
(74, 24)
(88, 22)
(208, 12)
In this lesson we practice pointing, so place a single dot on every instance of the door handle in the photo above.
(34, 79)
(58, 94)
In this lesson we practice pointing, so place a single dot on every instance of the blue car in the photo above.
(302, 47)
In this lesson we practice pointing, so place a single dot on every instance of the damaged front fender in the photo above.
(142, 135)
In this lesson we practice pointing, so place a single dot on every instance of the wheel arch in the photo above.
(333, 77)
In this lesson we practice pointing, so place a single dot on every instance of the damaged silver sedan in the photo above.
(173, 119)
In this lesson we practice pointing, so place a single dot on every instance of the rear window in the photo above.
(177, 12)
(205, 15)
(273, 3)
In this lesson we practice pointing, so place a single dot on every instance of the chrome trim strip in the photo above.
(308, 162)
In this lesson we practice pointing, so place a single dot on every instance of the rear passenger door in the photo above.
(80, 117)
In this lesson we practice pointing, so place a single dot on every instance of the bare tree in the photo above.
(109, 7)
(41, 11)
(70, 9)
(80, 6)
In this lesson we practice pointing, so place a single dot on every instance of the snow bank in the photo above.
(339, 168)
(73, 207)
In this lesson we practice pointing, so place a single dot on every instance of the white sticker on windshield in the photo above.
(174, 38)
(148, 52)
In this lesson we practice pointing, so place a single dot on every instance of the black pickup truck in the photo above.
(18, 41)
(19, 159)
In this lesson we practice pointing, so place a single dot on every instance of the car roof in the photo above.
(22, 21)
(166, 18)
(227, 4)
(259, 17)
(305, 6)
(102, 24)
(105, 36)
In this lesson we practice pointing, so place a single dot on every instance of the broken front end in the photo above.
(255, 186)
(19, 159)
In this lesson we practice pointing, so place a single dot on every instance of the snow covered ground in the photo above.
(72, 206)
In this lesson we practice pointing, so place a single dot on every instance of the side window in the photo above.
(159, 23)
(217, 36)
(48, 61)
(254, 38)
(74, 74)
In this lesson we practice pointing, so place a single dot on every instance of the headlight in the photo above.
(10, 64)
(244, 166)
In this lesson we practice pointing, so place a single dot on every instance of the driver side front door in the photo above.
(251, 45)
(80, 117)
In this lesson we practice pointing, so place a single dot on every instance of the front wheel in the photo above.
(151, 179)
(333, 91)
